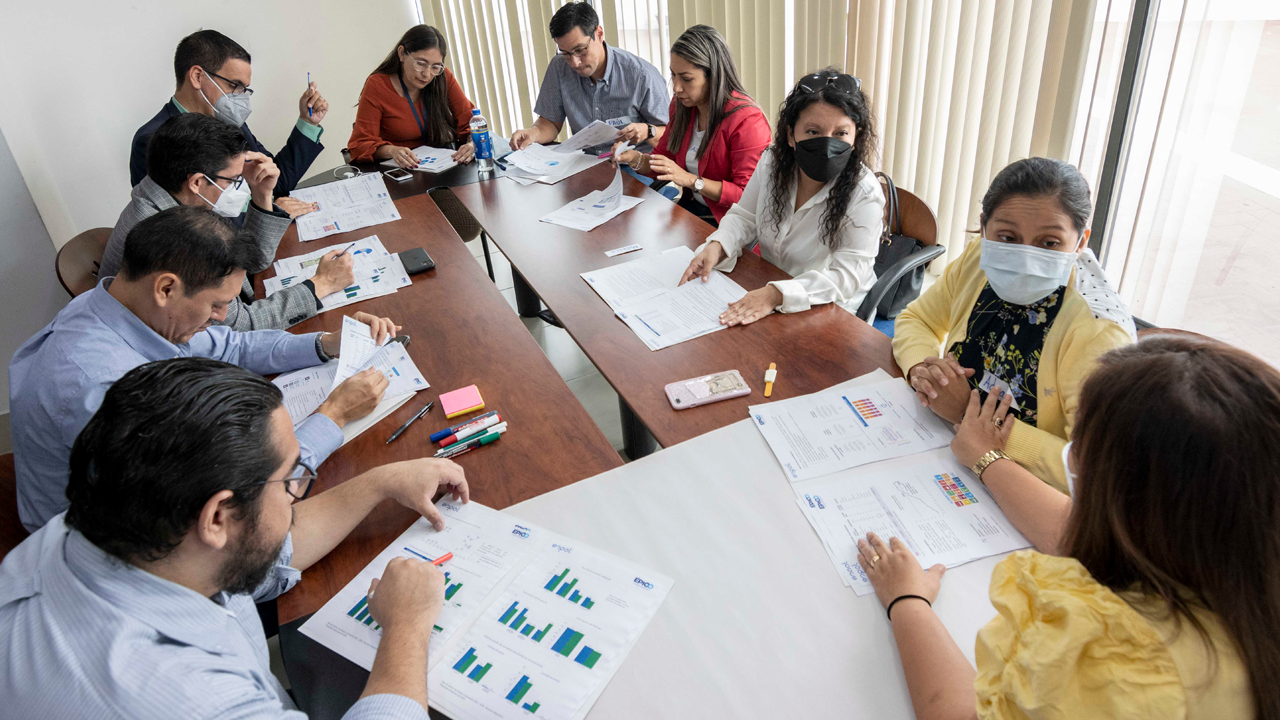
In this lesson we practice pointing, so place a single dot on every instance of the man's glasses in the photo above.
(579, 52)
(237, 87)
(234, 183)
(433, 68)
(841, 82)
(299, 482)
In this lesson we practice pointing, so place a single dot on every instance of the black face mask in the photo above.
(823, 158)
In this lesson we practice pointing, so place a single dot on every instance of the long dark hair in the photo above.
(854, 105)
(1179, 490)
(435, 97)
(705, 48)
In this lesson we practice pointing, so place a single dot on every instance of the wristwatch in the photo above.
(698, 185)
(985, 461)
(652, 132)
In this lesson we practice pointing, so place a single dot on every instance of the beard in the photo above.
(250, 560)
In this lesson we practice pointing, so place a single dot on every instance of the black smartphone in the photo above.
(416, 261)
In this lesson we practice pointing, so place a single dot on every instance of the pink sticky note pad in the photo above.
(461, 401)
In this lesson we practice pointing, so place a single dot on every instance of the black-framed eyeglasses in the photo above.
(299, 482)
(237, 87)
(841, 82)
(581, 51)
(234, 183)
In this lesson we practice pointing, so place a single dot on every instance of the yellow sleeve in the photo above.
(1040, 451)
(922, 327)
(1064, 646)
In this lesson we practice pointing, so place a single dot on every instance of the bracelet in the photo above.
(889, 610)
(985, 461)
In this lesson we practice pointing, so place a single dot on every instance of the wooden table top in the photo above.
(462, 332)
(813, 350)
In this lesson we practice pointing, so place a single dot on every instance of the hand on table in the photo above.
(978, 433)
(894, 571)
(410, 594)
(465, 154)
(415, 483)
(294, 206)
(315, 101)
(670, 171)
(261, 174)
(379, 327)
(752, 306)
(334, 272)
(355, 397)
(405, 157)
(942, 385)
(703, 263)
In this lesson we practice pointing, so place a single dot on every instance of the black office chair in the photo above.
(911, 217)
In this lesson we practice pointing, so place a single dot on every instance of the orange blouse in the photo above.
(384, 117)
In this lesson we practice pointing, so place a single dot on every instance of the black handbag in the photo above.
(895, 246)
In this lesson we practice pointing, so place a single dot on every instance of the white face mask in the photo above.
(1022, 274)
(1066, 466)
(231, 109)
(233, 200)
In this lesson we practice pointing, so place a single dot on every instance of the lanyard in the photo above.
(422, 128)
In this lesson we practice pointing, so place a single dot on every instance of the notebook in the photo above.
(461, 402)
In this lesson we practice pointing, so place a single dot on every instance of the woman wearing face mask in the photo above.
(1026, 311)
(410, 100)
(813, 204)
(716, 134)
(1158, 596)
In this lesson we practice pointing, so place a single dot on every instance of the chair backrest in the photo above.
(11, 530)
(917, 218)
(78, 260)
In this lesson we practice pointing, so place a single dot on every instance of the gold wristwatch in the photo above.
(985, 461)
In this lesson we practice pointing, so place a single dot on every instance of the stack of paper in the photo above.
(532, 623)
(304, 390)
(430, 160)
(595, 208)
(377, 272)
(549, 165)
(345, 205)
(646, 295)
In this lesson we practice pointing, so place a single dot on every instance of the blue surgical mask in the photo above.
(1066, 466)
(231, 109)
(1022, 274)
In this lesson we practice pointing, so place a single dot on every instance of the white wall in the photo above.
(78, 78)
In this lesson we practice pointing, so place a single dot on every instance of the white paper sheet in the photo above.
(359, 351)
(929, 501)
(306, 389)
(689, 311)
(595, 208)
(832, 430)
(486, 545)
(625, 283)
(345, 205)
(390, 403)
(538, 163)
(377, 272)
(430, 160)
(595, 134)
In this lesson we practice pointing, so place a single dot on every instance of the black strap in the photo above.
(889, 610)
(422, 127)
(894, 227)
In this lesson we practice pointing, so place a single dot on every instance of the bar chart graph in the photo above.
(361, 614)
(517, 622)
(450, 588)
(517, 693)
(562, 587)
(468, 660)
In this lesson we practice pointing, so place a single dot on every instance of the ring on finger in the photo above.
(999, 422)
(874, 559)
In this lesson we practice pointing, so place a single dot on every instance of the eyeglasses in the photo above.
(847, 84)
(237, 87)
(579, 52)
(433, 68)
(299, 481)
(235, 182)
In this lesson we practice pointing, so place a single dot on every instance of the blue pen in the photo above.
(442, 434)
(309, 87)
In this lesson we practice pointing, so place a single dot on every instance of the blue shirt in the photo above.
(631, 91)
(84, 635)
(58, 377)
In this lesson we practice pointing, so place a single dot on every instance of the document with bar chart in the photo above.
(551, 641)
(833, 430)
(486, 545)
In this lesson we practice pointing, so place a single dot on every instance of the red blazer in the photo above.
(733, 153)
(383, 116)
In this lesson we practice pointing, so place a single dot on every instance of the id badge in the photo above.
(619, 122)
(991, 382)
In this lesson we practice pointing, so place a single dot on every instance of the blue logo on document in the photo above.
(521, 531)
(815, 501)
(792, 470)
(450, 508)
(562, 548)
(760, 419)
(645, 585)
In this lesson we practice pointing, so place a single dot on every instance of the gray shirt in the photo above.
(288, 307)
(84, 635)
(631, 91)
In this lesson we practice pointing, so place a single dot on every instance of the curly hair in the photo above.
(865, 144)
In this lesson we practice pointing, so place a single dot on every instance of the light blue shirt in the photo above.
(631, 91)
(58, 377)
(84, 635)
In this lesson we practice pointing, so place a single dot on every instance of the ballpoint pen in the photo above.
(426, 409)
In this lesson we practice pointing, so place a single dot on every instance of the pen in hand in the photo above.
(309, 113)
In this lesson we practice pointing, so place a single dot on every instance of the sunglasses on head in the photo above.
(847, 84)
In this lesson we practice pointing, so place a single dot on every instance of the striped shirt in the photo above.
(84, 635)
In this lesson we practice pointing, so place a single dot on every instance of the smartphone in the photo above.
(707, 389)
(399, 174)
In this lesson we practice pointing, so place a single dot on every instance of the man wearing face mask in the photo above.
(812, 203)
(199, 161)
(181, 269)
(1023, 315)
(213, 75)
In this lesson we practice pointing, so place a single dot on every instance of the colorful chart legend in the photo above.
(528, 630)
(865, 409)
(566, 590)
(955, 489)
(466, 661)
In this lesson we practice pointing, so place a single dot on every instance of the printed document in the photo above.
(595, 208)
(430, 160)
(596, 134)
(691, 310)
(377, 272)
(543, 164)
(345, 205)
(361, 352)
(929, 501)
(305, 390)
(629, 282)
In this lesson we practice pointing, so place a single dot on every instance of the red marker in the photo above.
(442, 559)
(475, 427)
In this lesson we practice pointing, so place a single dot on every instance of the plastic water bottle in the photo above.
(480, 136)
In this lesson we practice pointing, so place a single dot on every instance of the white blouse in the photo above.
(819, 275)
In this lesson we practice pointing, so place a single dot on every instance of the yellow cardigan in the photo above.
(1078, 337)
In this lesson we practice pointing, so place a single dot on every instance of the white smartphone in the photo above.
(399, 174)
(707, 389)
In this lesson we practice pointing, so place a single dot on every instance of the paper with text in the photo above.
(689, 311)
(430, 160)
(595, 208)
(345, 205)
